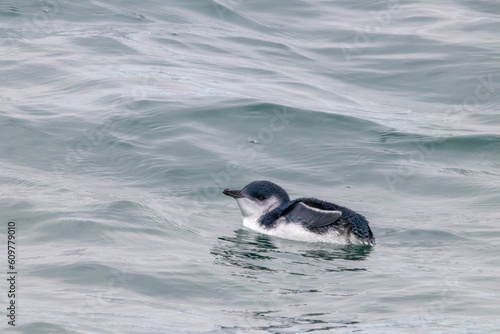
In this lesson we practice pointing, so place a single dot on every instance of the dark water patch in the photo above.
(484, 7)
(7, 10)
(274, 321)
(140, 218)
(40, 74)
(335, 252)
(44, 328)
(177, 43)
(70, 228)
(245, 252)
(470, 143)
(81, 273)
(84, 12)
(229, 14)
(103, 45)
(426, 238)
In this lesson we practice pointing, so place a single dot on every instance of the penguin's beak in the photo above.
(233, 193)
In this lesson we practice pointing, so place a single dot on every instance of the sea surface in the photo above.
(121, 122)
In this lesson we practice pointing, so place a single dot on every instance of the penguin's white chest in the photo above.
(295, 231)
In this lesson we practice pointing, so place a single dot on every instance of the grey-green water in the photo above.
(121, 123)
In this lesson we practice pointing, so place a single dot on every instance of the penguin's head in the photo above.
(258, 198)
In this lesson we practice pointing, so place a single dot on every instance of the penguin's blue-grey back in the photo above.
(354, 222)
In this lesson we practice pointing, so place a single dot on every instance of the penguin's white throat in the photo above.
(254, 209)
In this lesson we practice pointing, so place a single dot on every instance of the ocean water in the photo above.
(122, 122)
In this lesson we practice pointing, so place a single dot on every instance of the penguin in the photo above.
(267, 208)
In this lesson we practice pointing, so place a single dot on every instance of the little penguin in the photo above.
(267, 208)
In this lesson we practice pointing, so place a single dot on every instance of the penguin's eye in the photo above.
(261, 198)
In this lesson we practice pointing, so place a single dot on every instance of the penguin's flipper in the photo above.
(311, 217)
